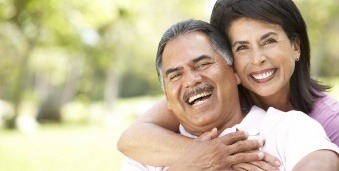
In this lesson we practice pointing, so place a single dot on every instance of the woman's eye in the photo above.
(239, 48)
(269, 41)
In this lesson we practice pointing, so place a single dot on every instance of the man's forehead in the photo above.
(185, 48)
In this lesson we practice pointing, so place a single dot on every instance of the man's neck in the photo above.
(238, 116)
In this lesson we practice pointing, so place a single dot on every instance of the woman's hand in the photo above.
(211, 153)
(269, 163)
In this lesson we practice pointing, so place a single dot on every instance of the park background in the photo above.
(75, 73)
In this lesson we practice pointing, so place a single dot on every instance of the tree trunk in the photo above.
(72, 81)
(111, 86)
(19, 87)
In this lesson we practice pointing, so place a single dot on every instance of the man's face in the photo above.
(200, 87)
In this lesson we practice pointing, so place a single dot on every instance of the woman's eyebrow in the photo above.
(267, 35)
(240, 42)
(261, 38)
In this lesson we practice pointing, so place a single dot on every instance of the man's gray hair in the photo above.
(219, 44)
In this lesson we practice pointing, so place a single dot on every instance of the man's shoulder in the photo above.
(292, 114)
(277, 119)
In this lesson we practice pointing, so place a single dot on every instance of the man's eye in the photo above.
(174, 77)
(203, 65)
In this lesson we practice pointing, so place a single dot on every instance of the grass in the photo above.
(80, 147)
(59, 148)
(71, 147)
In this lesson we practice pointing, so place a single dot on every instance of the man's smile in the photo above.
(197, 94)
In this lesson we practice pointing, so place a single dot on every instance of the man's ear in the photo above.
(237, 78)
(168, 104)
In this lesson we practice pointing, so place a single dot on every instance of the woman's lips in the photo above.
(263, 75)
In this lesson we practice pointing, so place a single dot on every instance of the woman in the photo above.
(275, 72)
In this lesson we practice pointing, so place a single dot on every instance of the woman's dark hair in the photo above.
(304, 90)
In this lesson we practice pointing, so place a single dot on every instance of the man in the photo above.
(194, 68)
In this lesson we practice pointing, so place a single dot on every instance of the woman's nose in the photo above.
(258, 57)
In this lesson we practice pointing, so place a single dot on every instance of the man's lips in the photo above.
(197, 97)
(195, 94)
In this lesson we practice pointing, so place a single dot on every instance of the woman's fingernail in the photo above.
(261, 155)
(278, 163)
(261, 142)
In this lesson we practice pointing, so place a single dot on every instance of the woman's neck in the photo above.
(280, 101)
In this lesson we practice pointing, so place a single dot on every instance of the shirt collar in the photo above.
(251, 124)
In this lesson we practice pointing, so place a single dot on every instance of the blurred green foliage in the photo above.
(323, 29)
(55, 52)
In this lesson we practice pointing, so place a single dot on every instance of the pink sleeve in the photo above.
(326, 112)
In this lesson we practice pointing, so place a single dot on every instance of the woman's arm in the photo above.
(153, 139)
(323, 160)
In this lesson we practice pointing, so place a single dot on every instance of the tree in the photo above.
(323, 25)
(60, 50)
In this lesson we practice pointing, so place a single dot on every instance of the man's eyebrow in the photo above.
(195, 60)
(170, 70)
(201, 57)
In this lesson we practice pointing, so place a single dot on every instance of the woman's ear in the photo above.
(296, 48)
(237, 78)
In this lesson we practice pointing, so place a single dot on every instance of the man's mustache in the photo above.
(197, 90)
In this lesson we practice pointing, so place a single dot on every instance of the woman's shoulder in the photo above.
(325, 104)
(326, 112)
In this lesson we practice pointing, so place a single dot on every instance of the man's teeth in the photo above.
(263, 75)
(193, 98)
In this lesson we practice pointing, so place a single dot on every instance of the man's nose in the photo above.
(192, 78)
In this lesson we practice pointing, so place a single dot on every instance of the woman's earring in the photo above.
(297, 58)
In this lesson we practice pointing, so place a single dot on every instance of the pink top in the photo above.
(326, 112)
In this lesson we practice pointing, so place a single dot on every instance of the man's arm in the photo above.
(305, 144)
(324, 160)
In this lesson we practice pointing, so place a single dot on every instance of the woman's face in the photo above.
(264, 57)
